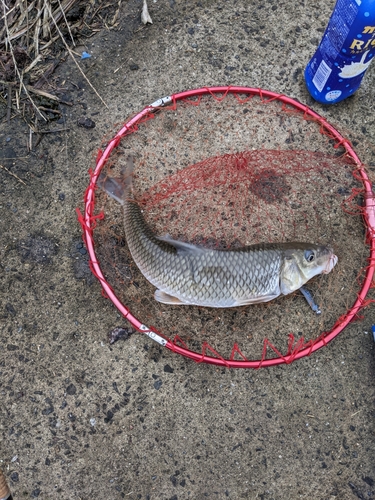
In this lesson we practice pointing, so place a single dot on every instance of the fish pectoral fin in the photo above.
(182, 247)
(255, 300)
(165, 298)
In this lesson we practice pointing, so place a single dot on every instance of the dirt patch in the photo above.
(37, 248)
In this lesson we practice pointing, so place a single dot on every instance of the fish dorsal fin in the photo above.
(182, 247)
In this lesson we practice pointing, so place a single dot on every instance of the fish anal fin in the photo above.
(165, 298)
(255, 300)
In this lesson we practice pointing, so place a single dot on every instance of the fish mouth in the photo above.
(331, 264)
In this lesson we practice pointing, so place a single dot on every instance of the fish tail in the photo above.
(119, 188)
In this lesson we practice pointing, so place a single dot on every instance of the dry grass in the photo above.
(34, 38)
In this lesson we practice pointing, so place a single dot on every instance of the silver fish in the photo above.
(188, 274)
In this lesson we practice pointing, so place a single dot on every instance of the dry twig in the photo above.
(28, 30)
(15, 63)
(13, 175)
(75, 62)
(9, 104)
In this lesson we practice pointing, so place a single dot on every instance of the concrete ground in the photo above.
(81, 419)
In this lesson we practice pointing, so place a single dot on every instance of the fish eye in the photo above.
(309, 255)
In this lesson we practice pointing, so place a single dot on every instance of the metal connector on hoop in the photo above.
(161, 102)
(153, 335)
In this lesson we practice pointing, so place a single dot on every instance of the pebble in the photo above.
(119, 333)
(14, 477)
(71, 389)
(48, 411)
(86, 122)
(158, 384)
(109, 416)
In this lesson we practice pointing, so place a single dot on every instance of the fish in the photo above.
(188, 274)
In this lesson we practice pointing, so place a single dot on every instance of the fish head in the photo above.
(303, 261)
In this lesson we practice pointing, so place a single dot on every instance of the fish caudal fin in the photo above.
(118, 188)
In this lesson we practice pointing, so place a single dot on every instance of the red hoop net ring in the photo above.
(295, 350)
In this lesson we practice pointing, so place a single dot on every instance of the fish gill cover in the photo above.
(235, 169)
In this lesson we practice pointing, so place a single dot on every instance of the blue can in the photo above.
(345, 52)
